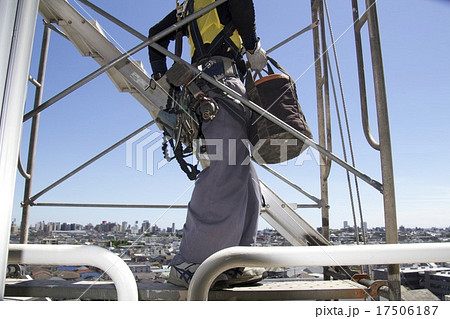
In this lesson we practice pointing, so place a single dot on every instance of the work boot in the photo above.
(245, 276)
(181, 275)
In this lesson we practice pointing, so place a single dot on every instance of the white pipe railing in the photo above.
(311, 256)
(16, 43)
(77, 255)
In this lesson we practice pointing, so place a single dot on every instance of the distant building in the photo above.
(422, 276)
(155, 229)
(438, 283)
(14, 228)
(145, 228)
(140, 268)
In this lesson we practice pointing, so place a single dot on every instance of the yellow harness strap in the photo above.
(209, 26)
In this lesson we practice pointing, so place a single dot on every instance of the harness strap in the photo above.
(190, 170)
(223, 36)
(195, 32)
(181, 11)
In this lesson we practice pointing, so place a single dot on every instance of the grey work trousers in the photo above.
(224, 208)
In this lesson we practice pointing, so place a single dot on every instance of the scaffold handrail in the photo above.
(311, 256)
(78, 255)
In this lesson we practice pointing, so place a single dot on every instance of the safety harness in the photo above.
(187, 105)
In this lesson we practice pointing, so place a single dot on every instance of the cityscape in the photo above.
(148, 249)
(106, 232)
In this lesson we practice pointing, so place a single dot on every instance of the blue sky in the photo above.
(415, 43)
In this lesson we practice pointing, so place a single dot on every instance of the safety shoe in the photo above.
(245, 276)
(181, 275)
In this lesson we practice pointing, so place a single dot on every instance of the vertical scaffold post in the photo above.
(390, 214)
(323, 107)
(16, 42)
(384, 145)
(33, 136)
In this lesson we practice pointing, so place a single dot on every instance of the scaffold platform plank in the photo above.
(271, 289)
(295, 290)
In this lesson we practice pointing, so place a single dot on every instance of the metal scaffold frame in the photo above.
(385, 147)
(323, 114)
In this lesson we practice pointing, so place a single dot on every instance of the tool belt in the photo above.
(218, 67)
(190, 106)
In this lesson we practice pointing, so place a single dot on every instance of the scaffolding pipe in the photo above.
(384, 145)
(77, 255)
(387, 169)
(55, 29)
(31, 200)
(314, 256)
(34, 81)
(33, 136)
(17, 28)
(358, 24)
(21, 169)
(319, 202)
(323, 108)
(292, 37)
(83, 81)
(106, 205)
(147, 206)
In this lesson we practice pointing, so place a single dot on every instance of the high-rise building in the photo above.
(345, 224)
(154, 229)
(14, 228)
(124, 227)
(135, 228)
(145, 226)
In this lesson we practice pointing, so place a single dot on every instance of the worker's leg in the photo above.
(253, 205)
(225, 203)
